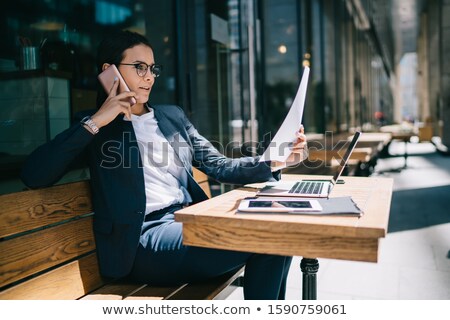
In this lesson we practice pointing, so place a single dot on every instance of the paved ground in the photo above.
(414, 261)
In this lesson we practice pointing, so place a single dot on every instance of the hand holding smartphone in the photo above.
(106, 78)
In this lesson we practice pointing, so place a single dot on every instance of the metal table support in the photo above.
(309, 269)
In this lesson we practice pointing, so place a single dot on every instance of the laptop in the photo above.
(311, 188)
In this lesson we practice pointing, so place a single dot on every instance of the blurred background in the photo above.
(233, 65)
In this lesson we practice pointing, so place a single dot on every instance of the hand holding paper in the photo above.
(286, 142)
(281, 146)
(299, 152)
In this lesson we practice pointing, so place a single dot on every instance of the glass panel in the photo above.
(209, 67)
(161, 33)
(48, 71)
(318, 92)
(281, 60)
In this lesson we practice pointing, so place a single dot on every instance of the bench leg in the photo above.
(309, 269)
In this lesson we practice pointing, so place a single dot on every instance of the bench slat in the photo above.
(38, 251)
(202, 179)
(27, 210)
(131, 291)
(114, 291)
(154, 293)
(70, 282)
(206, 290)
(205, 187)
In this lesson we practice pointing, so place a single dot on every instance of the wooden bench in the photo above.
(47, 251)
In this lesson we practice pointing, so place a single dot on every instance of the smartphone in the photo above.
(106, 78)
(262, 205)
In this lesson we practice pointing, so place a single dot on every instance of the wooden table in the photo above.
(215, 224)
(330, 149)
(359, 154)
(402, 132)
(405, 137)
(373, 137)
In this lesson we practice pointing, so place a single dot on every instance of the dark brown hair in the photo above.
(111, 50)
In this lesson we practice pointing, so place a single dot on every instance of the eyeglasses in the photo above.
(142, 68)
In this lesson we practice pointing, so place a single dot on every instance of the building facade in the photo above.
(233, 65)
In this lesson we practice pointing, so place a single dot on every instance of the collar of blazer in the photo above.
(172, 129)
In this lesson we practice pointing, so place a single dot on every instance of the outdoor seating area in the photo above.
(246, 151)
(66, 267)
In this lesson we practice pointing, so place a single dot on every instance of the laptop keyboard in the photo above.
(307, 187)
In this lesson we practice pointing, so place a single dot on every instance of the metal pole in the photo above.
(309, 269)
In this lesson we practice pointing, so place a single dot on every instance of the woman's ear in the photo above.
(105, 66)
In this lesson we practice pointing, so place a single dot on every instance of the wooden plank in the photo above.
(425, 133)
(206, 290)
(114, 291)
(360, 154)
(38, 251)
(373, 137)
(155, 292)
(205, 187)
(403, 136)
(199, 176)
(23, 211)
(282, 243)
(70, 281)
(202, 180)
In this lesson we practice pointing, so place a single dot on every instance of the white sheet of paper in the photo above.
(279, 148)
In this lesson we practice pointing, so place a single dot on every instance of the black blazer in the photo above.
(117, 180)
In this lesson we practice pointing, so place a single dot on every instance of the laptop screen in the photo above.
(346, 156)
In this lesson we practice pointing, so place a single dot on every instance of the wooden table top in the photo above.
(400, 131)
(215, 224)
(360, 154)
(376, 137)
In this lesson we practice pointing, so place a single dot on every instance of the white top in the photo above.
(164, 175)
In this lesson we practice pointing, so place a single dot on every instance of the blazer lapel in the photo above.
(173, 134)
(178, 139)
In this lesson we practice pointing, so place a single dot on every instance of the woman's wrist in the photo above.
(90, 125)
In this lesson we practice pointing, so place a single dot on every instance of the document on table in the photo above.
(280, 147)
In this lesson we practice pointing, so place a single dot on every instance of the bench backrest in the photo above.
(46, 238)
(202, 180)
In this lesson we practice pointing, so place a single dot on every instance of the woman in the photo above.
(140, 159)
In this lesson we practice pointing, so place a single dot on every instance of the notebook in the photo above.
(311, 188)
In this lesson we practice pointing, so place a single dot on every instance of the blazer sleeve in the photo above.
(49, 162)
(241, 170)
